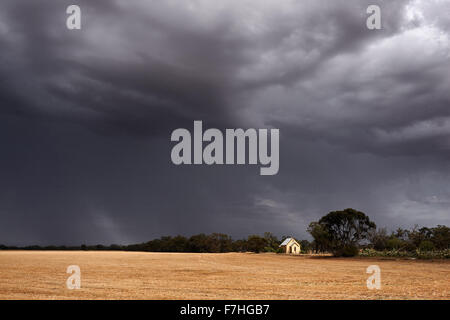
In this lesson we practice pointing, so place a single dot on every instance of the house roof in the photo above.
(286, 241)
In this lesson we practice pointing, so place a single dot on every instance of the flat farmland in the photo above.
(138, 275)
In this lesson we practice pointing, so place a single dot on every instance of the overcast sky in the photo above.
(86, 116)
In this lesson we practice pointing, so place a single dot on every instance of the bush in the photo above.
(426, 245)
(347, 251)
(395, 244)
(432, 254)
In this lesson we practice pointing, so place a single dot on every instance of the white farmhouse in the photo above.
(290, 246)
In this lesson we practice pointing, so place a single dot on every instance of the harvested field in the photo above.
(137, 275)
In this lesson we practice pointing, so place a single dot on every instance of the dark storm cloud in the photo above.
(87, 115)
(165, 62)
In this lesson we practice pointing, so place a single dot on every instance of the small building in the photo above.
(290, 246)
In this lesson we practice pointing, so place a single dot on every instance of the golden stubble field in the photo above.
(136, 275)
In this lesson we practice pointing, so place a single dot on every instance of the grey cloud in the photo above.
(87, 115)
(186, 63)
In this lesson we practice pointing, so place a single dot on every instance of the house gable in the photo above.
(290, 243)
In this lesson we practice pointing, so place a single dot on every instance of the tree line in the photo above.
(200, 243)
(342, 233)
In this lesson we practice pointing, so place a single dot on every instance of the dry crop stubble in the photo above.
(145, 275)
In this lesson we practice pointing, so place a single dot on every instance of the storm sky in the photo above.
(86, 116)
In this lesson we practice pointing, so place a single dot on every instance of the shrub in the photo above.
(426, 245)
(280, 250)
(347, 251)
(269, 249)
(432, 254)
(395, 244)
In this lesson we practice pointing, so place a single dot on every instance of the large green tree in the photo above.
(320, 236)
(342, 231)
